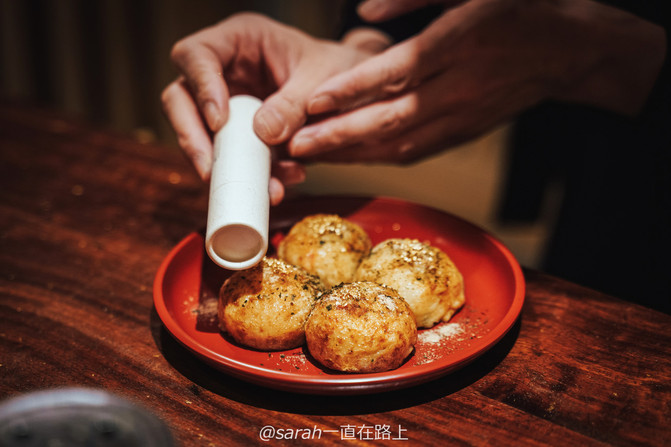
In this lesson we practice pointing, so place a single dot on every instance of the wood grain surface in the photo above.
(87, 216)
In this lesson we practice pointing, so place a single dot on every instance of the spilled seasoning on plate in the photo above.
(440, 332)
(446, 338)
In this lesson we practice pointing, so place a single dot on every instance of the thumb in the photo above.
(282, 113)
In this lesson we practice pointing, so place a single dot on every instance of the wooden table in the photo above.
(86, 218)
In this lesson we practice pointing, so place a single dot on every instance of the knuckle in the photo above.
(203, 94)
(390, 120)
(399, 76)
(334, 138)
(398, 83)
(406, 156)
(180, 49)
(295, 108)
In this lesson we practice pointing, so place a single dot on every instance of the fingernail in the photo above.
(212, 116)
(270, 126)
(203, 166)
(321, 104)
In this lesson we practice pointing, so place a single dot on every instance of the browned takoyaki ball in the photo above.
(422, 274)
(361, 327)
(266, 307)
(326, 245)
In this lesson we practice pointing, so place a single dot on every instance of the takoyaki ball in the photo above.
(422, 274)
(361, 327)
(266, 307)
(326, 245)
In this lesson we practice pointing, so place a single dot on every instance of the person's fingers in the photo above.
(369, 123)
(192, 136)
(202, 68)
(381, 10)
(443, 122)
(284, 173)
(442, 133)
(388, 72)
(395, 70)
(382, 119)
(289, 172)
(276, 191)
(285, 111)
(282, 113)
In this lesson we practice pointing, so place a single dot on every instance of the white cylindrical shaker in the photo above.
(237, 222)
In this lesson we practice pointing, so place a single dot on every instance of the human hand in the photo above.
(249, 54)
(476, 66)
(381, 10)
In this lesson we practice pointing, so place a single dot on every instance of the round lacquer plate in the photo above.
(187, 285)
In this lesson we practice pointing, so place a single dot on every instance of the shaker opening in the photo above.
(236, 246)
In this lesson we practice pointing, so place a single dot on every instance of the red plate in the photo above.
(187, 282)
